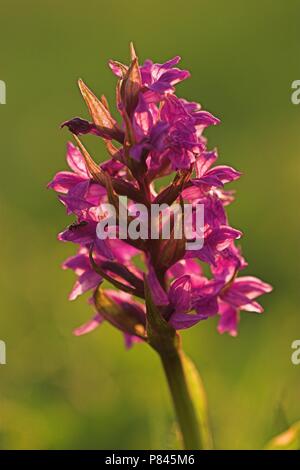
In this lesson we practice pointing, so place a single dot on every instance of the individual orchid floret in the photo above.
(161, 78)
(76, 189)
(87, 279)
(239, 295)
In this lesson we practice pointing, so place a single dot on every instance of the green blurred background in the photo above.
(62, 392)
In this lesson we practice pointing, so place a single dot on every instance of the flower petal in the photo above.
(87, 281)
(64, 181)
(229, 319)
(180, 294)
(91, 325)
(158, 294)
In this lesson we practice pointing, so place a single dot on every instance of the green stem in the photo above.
(186, 414)
(184, 382)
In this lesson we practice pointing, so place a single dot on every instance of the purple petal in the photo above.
(87, 281)
(205, 298)
(143, 119)
(89, 326)
(160, 78)
(158, 135)
(181, 321)
(205, 161)
(224, 173)
(209, 180)
(95, 193)
(214, 213)
(76, 200)
(229, 319)
(123, 252)
(242, 292)
(216, 241)
(130, 340)
(137, 150)
(83, 233)
(221, 238)
(64, 181)
(240, 301)
(251, 286)
(78, 263)
(193, 193)
(185, 266)
(117, 68)
(168, 79)
(112, 167)
(76, 161)
(75, 205)
(170, 63)
(103, 248)
(159, 295)
(180, 294)
(206, 119)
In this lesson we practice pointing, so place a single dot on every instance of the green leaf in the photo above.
(288, 440)
(199, 400)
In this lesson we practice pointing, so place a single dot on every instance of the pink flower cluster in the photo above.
(158, 134)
